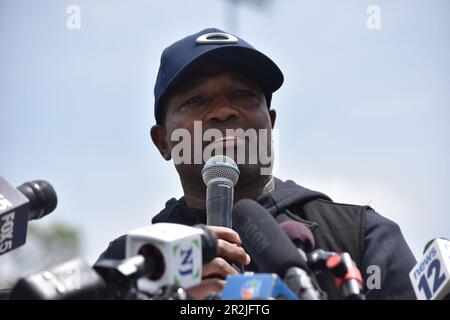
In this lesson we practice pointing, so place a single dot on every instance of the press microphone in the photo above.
(305, 286)
(271, 249)
(120, 276)
(73, 279)
(260, 286)
(300, 236)
(220, 175)
(430, 277)
(173, 253)
(32, 200)
(264, 240)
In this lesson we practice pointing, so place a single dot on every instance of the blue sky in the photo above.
(363, 115)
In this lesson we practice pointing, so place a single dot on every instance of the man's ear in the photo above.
(158, 134)
(273, 116)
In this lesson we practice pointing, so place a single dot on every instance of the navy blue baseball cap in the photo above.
(213, 45)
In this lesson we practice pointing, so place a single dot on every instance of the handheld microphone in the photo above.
(270, 248)
(430, 277)
(174, 254)
(220, 175)
(31, 200)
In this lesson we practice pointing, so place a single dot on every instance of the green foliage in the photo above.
(56, 235)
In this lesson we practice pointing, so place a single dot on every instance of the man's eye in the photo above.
(192, 100)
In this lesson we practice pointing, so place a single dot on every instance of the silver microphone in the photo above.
(220, 175)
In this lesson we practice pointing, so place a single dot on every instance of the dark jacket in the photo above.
(371, 239)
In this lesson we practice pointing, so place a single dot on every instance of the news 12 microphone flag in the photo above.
(430, 277)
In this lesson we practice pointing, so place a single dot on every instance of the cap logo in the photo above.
(216, 38)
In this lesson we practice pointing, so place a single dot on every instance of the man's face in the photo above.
(216, 101)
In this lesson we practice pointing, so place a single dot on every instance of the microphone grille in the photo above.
(222, 167)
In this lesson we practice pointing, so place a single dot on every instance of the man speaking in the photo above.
(213, 97)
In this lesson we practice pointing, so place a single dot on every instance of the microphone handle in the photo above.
(219, 205)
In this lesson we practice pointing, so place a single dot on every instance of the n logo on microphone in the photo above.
(188, 267)
(187, 262)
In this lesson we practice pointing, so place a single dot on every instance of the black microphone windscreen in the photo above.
(209, 243)
(42, 197)
(299, 234)
(268, 246)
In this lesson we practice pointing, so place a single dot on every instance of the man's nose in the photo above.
(222, 110)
